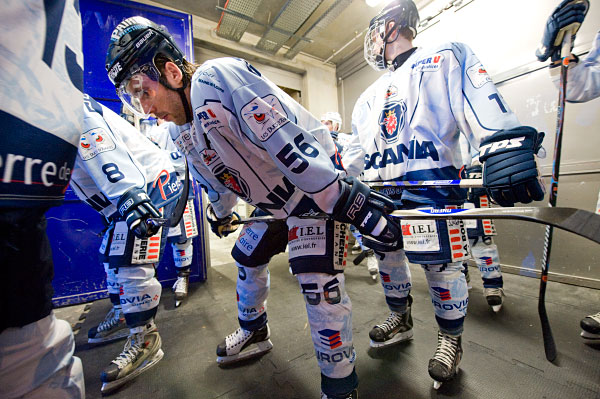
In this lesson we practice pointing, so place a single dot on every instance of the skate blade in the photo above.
(590, 338)
(177, 303)
(110, 387)
(255, 350)
(374, 277)
(437, 384)
(119, 335)
(496, 308)
(396, 339)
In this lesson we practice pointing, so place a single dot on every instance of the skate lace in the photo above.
(595, 317)
(494, 292)
(446, 350)
(181, 284)
(133, 348)
(393, 321)
(238, 337)
(110, 321)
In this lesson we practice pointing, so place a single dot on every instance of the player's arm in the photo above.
(354, 153)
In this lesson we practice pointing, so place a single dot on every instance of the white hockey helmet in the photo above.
(334, 118)
(404, 14)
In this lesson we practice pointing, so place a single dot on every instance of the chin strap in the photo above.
(186, 105)
(399, 60)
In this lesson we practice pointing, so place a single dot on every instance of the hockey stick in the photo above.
(549, 344)
(461, 183)
(577, 221)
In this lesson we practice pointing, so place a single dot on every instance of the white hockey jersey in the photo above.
(114, 157)
(583, 81)
(41, 82)
(407, 124)
(250, 137)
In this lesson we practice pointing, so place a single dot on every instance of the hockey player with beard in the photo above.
(41, 82)
(128, 180)
(180, 237)
(268, 150)
(408, 124)
(583, 85)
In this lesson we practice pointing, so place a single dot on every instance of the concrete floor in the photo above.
(503, 352)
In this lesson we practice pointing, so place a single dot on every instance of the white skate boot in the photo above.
(142, 351)
(243, 344)
(494, 297)
(351, 395)
(180, 288)
(591, 329)
(396, 328)
(444, 364)
(113, 327)
(372, 266)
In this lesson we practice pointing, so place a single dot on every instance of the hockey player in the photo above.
(408, 123)
(41, 117)
(333, 121)
(126, 178)
(263, 147)
(583, 84)
(180, 237)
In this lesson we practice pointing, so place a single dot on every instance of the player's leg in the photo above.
(485, 253)
(255, 246)
(318, 264)
(183, 252)
(113, 326)
(36, 350)
(396, 283)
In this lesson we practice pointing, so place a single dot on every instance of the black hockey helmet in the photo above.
(133, 46)
(404, 14)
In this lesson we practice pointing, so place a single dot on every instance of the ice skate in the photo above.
(591, 329)
(444, 364)
(372, 267)
(243, 344)
(113, 327)
(180, 288)
(494, 297)
(396, 328)
(351, 395)
(142, 351)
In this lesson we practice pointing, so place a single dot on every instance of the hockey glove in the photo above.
(475, 171)
(366, 210)
(222, 227)
(509, 169)
(569, 14)
(135, 207)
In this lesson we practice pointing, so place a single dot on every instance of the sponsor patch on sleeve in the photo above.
(264, 116)
(94, 142)
(478, 75)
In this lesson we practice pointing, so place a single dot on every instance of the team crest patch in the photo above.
(431, 63)
(391, 120)
(478, 75)
(264, 116)
(231, 179)
(209, 156)
(94, 142)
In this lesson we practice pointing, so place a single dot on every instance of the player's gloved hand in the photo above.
(475, 171)
(366, 210)
(509, 169)
(569, 14)
(136, 207)
(222, 227)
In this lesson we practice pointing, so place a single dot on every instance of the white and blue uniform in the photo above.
(263, 147)
(113, 158)
(40, 114)
(406, 126)
(179, 236)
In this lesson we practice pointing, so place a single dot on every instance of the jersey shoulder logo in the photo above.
(478, 75)
(391, 120)
(231, 179)
(264, 116)
(209, 156)
(94, 142)
(430, 63)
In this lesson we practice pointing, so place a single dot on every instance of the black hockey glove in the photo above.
(366, 210)
(569, 13)
(222, 227)
(475, 172)
(136, 207)
(509, 169)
